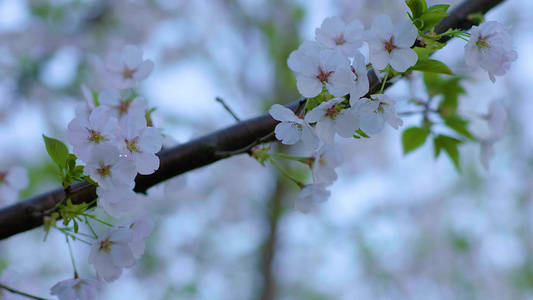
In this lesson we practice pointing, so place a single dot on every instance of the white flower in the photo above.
(119, 107)
(76, 288)
(298, 58)
(84, 109)
(330, 120)
(128, 67)
(361, 78)
(112, 252)
(325, 160)
(140, 143)
(84, 134)
(375, 112)
(141, 229)
(391, 45)
(12, 181)
(489, 47)
(497, 119)
(487, 152)
(292, 129)
(327, 67)
(117, 200)
(108, 169)
(309, 196)
(334, 34)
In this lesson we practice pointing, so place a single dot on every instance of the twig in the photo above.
(218, 99)
(2, 286)
(264, 139)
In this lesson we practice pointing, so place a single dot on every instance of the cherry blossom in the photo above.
(496, 119)
(361, 78)
(391, 45)
(111, 252)
(117, 200)
(84, 134)
(141, 229)
(325, 160)
(327, 67)
(110, 170)
(489, 47)
(335, 34)
(140, 143)
(76, 288)
(292, 128)
(84, 109)
(311, 195)
(128, 67)
(298, 58)
(119, 106)
(375, 112)
(330, 120)
(12, 181)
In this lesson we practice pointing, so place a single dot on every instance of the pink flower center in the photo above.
(483, 44)
(128, 74)
(323, 76)
(95, 136)
(123, 107)
(389, 45)
(332, 112)
(340, 40)
(132, 145)
(106, 245)
(104, 170)
(297, 126)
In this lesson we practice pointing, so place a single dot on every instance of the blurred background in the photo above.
(395, 226)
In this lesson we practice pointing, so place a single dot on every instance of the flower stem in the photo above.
(298, 182)
(72, 257)
(96, 219)
(87, 221)
(384, 81)
(2, 286)
(296, 158)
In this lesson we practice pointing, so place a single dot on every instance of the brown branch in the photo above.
(206, 150)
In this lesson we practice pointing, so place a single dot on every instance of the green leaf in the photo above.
(417, 7)
(433, 15)
(431, 65)
(361, 133)
(459, 125)
(76, 226)
(57, 151)
(451, 89)
(448, 144)
(413, 138)
(433, 83)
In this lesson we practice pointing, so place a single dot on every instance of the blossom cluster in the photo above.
(332, 74)
(111, 135)
(334, 66)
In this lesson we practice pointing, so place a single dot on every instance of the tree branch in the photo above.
(203, 151)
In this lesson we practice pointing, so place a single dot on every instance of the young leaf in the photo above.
(417, 7)
(361, 133)
(433, 15)
(459, 125)
(449, 145)
(431, 65)
(413, 138)
(451, 89)
(57, 151)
